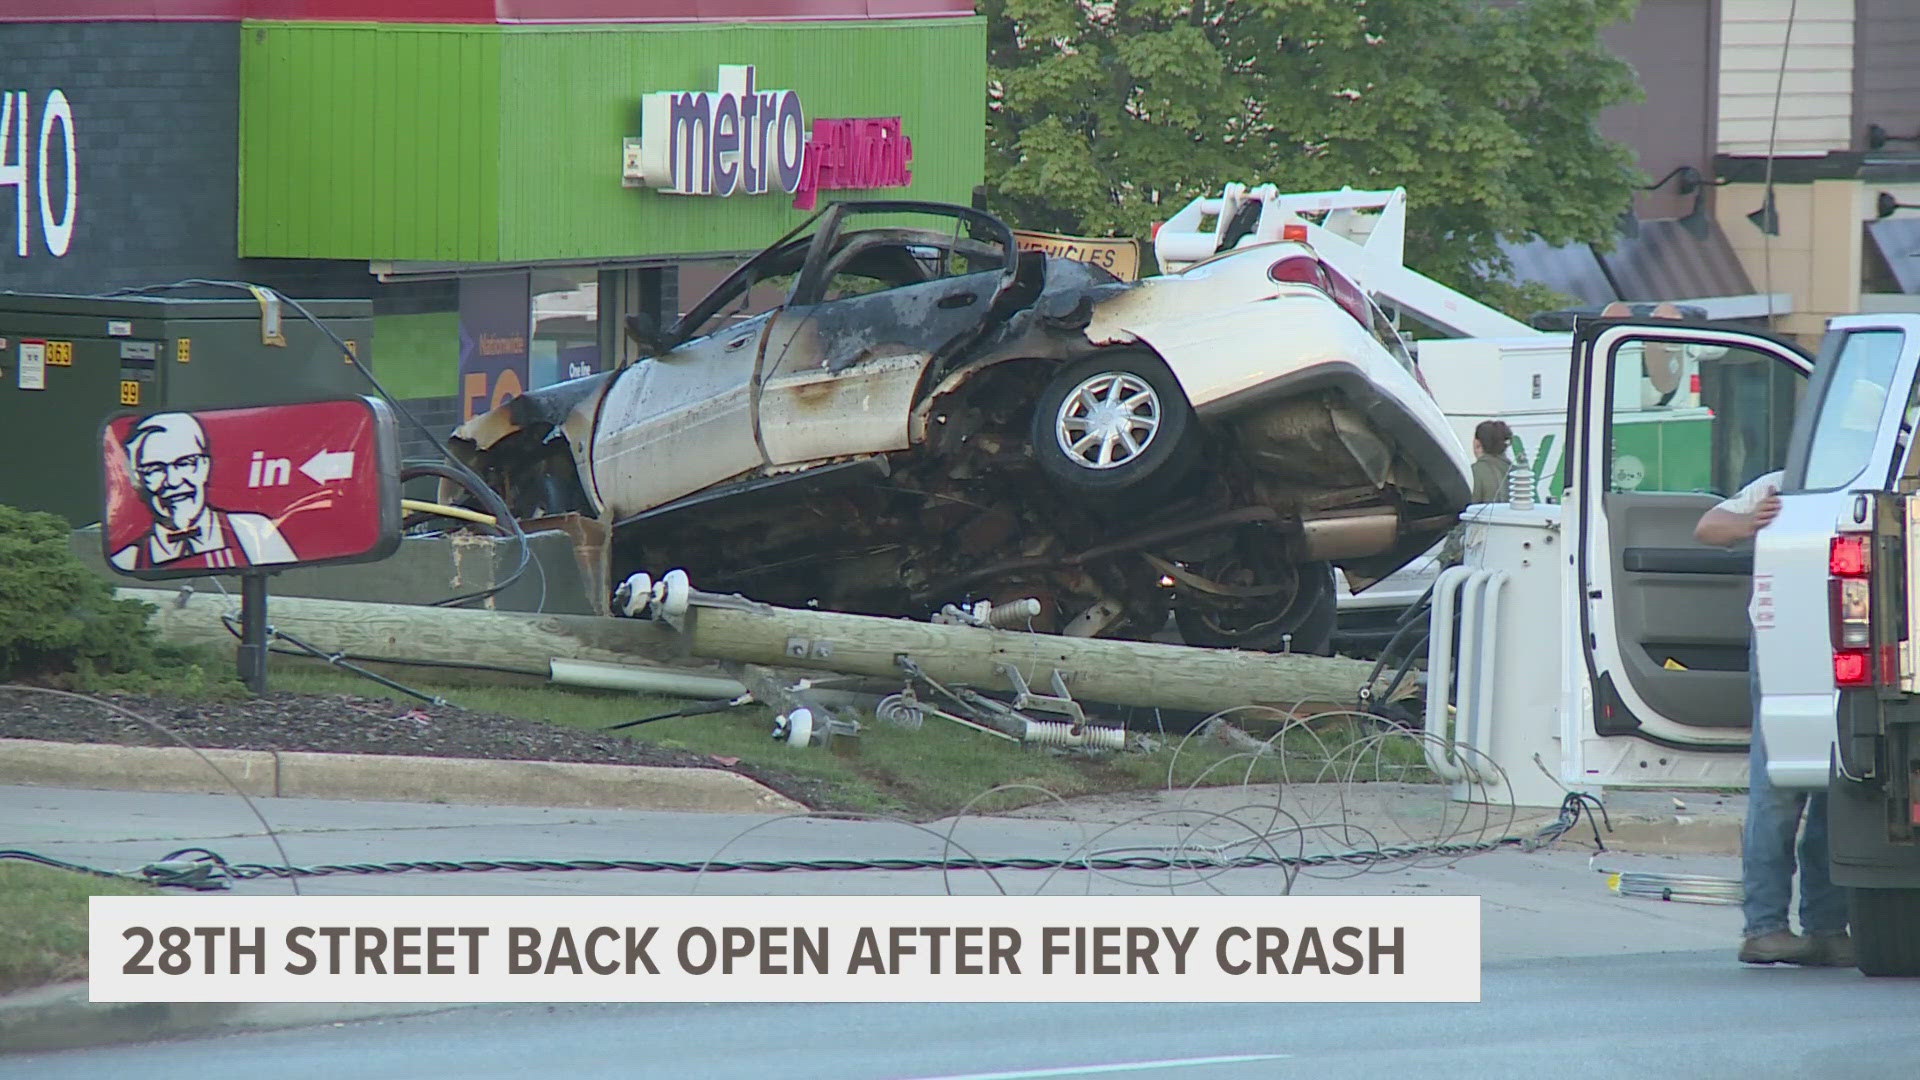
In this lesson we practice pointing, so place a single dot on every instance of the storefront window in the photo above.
(566, 332)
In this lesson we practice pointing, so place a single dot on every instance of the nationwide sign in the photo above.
(747, 140)
(231, 490)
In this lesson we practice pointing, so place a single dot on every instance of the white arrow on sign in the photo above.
(329, 465)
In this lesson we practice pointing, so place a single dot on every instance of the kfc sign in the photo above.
(745, 140)
(231, 490)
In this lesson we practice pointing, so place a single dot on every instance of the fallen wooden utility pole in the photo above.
(1101, 670)
(1113, 672)
(413, 632)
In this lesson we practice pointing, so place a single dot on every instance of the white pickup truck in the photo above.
(1662, 624)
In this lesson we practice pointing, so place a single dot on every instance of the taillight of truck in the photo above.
(1850, 612)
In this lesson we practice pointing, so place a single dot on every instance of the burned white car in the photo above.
(934, 416)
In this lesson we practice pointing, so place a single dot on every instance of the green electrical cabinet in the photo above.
(68, 362)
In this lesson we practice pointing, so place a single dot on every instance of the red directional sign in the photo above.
(267, 487)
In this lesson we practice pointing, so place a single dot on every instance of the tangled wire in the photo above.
(1292, 814)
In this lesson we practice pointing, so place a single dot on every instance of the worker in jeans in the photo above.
(1773, 816)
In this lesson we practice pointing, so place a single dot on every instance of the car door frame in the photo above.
(881, 392)
(1596, 641)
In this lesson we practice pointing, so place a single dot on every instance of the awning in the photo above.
(1662, 261)
(1570, 269)
(1898, 242)
(1667, 262)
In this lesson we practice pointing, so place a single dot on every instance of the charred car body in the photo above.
(933, 416)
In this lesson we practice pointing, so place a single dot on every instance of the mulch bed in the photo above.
(345, 724)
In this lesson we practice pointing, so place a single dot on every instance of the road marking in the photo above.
(1116, 1067)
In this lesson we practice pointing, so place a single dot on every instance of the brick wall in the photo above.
(440, 415)
(156, 112)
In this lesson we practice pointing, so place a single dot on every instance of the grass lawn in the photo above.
(43, 922)
(926, 773)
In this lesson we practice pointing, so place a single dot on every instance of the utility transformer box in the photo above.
(68, 362)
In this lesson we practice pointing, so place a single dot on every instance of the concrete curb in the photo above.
(1679, 834)
(61, 1018)
(1653, 834)
(298, 775)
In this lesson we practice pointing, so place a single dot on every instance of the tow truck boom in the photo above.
(1363, 233)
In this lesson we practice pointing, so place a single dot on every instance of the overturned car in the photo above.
(934, 416)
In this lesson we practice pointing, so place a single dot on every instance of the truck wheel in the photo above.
(1115, 430)
(1886, 931)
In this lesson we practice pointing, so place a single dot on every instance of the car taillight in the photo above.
(1298, 270)
(1349, 296)
(1307, 270)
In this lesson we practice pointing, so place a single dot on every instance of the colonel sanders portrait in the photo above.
(170, 461)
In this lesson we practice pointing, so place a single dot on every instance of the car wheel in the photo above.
(1304, 625)
(1115, 430)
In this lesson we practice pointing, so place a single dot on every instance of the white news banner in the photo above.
(785, 948)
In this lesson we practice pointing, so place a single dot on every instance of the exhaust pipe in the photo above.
(1351, 534)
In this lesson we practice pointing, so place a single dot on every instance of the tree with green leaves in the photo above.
(1105, 116)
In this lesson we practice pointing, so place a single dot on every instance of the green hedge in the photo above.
(58, 619)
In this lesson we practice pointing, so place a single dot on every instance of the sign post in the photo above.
(252, 652)
(250, 491)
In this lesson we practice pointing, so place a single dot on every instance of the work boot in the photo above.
(1832, 950)
(1777, 947)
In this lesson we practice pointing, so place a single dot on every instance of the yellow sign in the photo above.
(60, 353)
(353, 352)
(183, 350)
(129, 391)
(1118, 257)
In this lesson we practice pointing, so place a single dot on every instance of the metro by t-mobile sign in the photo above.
(746, 140)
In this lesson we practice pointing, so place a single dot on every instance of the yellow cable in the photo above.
(448, 511)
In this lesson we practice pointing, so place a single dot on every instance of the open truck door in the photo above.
(1659, 641)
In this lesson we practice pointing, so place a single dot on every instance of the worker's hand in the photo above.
(1767, 510)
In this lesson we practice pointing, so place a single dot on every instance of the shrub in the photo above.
(59, 620)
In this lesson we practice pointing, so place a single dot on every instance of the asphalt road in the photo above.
(1576, 982)
(1686, 1015)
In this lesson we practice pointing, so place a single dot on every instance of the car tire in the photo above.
(1886, 931)
(1083, 402)
(1310, 620)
